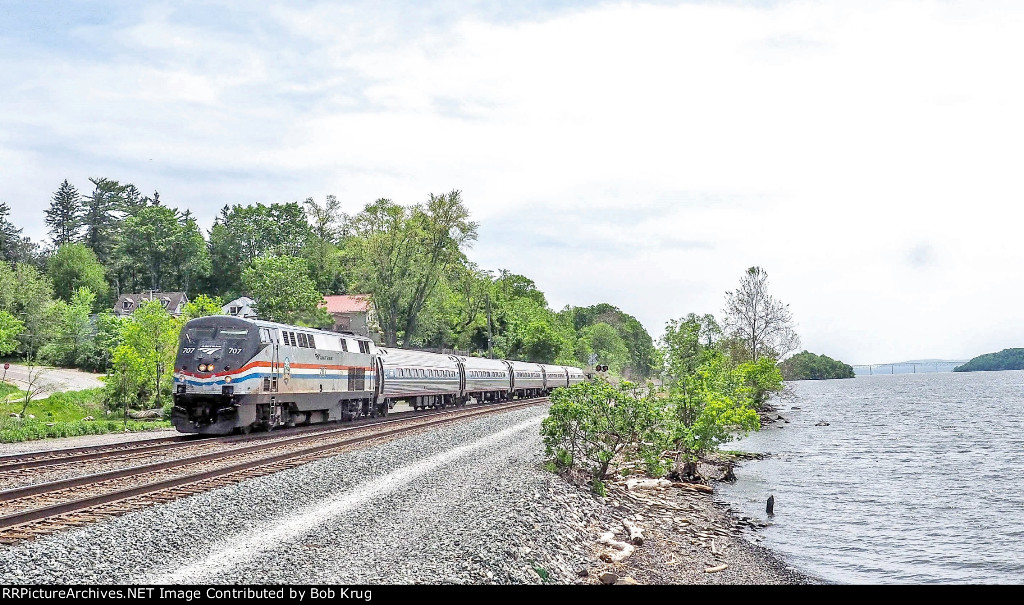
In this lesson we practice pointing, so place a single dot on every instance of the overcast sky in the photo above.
(868, 155)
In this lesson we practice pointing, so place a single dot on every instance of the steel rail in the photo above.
(11, 521)
(43, 458)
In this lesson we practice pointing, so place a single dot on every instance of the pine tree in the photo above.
(64, 218)
(132, 201)
(99, 219)
(10, 236)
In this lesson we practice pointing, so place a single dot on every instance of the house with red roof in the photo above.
(353, 313)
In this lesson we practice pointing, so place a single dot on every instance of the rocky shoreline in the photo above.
(682, 535)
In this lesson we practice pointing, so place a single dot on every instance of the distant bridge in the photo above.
(908, 367)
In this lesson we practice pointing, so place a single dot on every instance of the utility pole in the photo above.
(490, 351)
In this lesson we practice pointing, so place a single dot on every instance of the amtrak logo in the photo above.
(209, 350)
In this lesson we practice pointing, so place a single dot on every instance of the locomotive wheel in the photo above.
(243, 430)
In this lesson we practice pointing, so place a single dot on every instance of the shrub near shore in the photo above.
(63, 415)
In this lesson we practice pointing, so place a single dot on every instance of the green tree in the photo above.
(10, 328)
(763, 378)
(72, 331)
(242, 233)
(284, 292)
(525, 328)
(202, 306)
(710, 399)
(100, 218)
(27, 294)
(64, 216)
(641, 350)
(1007, 359)
(709, 407)
(13, 247)
(75, 266)
(10, 236)
(143, 360)
(165, 248)
(686, 344)
(603, 340)
(808, 366)
(400, 254)
(97, 350)
(132, 201)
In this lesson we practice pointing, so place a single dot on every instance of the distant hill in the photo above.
(1007, 359)
(808, 366)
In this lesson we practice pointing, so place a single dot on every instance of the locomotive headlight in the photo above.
(202, 367)
(227, 379)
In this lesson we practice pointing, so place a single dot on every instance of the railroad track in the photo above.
(31, 460)
(40, 509)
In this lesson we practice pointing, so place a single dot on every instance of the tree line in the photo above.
(56, 296)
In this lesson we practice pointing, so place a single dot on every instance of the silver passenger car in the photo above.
(576, 375)
(527, 379)
(487, 379)
(421, 379)
(554, 376)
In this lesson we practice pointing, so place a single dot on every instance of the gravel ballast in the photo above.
(469, 503)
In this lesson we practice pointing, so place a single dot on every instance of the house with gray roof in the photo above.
(174, 302)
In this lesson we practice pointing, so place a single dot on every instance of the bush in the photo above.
(591, 425)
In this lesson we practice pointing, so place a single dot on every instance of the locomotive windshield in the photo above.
(196, 334)
(216, 343)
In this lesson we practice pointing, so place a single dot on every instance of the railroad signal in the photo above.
(601, 368)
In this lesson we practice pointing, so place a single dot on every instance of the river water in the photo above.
(917, 479)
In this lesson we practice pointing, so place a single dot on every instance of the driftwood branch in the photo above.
(624, 548)
(636, 535)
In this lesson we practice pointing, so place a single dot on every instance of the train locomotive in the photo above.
(237, 375)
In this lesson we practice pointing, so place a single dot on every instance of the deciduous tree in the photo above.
(401, 253)
(755, 318)
(284, 292)
(72, 330)
(143, 361)
(10, 328)
(75, 266)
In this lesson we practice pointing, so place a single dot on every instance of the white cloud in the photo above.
(663, 149)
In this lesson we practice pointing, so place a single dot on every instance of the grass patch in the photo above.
(13, 430)
(7, 389)
(65, 406)
(62, 415)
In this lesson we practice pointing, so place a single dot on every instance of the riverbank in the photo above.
(683, 535)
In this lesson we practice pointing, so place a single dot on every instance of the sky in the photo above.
(867, 155)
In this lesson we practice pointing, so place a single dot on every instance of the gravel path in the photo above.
(56, 379)
(462, 504)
